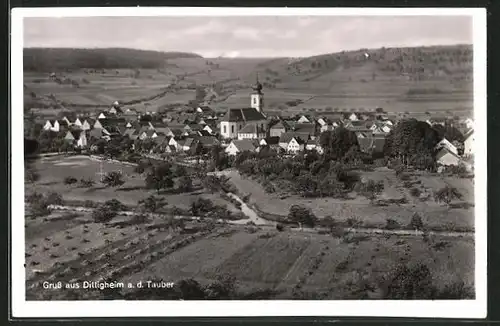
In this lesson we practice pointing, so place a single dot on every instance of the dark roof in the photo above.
(468, 133)
(204, 133)
(208, 141)
(188, 142)
(245, 114)
(272, 140)
(244, 145)
(251, 129)
(160, 139)
(96, 133)
(279, 125)
(287, 136)
(305, 127)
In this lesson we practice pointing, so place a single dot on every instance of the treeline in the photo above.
(64, 59)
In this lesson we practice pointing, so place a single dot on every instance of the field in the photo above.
(435, 215)
(342, 87)
(53, 170)
(316, 266)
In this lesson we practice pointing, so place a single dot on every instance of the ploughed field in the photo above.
(287, 262)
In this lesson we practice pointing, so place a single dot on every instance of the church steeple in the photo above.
(257, 97)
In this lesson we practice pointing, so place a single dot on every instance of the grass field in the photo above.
(341, 87)
(435, 215)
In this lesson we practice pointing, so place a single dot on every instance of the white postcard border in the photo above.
(363, 308)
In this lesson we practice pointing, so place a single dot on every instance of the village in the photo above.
(244, 129)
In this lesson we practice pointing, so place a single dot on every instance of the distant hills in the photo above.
(57, 59)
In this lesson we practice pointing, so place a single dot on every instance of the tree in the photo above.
(30, 173)
(409, 283)
(54, 198)
(416, 222)
(185, 184)
(447, 194)
(338, 142)
(160, 177)
(302, 215)
(152, 203)
(113, 179)
(190, 289)
(87, 183)
(70, 180)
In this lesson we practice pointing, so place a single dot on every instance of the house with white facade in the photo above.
(447, 144)
(238, 146)
(52, 125)
(469, 143)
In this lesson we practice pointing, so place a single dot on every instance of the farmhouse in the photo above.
(238, 146)
(469, 143)
(447, 144)
(236, 119)
(446, 157)
(52, 125)
(278, 129)
(76, 137)
(295, 145)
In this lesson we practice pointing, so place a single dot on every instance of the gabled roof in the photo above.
(272, 140)
(160, 139)
(279, 125)
(244, 145)
(287, 136)
(468, 134)
(251, 129)
(96, 133)
(208, 141)
(445, 150)
(245, 114)
(188, 142)
(304, 127)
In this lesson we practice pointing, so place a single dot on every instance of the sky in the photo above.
(248, 36)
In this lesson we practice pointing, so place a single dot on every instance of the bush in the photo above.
(87, 183)
(392, 224)
(103, 214)
(280, 227)
(54, 198)
(302, 215)
(115, 205)
(404, 176)
(415, 192)
(70, 180)
(416, 222)
(89, 204)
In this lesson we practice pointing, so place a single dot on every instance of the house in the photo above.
(87, 124)
(305, 130)
(251, 131)
(436, 121)
(272, 142)
(303, 119)
(204, 110)
(469, 143)
(446, 157)
(208, 142)
(77, 123)
(115, 109)
(278, 129)
(208, 129)
(186, 144)
(101, 116)
(76, 137)
(287, 137)
(238, 146)
(360, 126)
(175, 143)
(353, 117)
(469, 123)
(203, 132)
(149, 134)
(96, 134)
(447, 144)
(295, 145)
(52, 125)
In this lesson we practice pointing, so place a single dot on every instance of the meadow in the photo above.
(435, 215)
(343, 85)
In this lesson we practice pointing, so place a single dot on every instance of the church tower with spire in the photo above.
(257, 97)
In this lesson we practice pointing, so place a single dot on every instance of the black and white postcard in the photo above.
(248, 162)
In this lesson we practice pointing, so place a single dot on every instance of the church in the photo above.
(246, 123)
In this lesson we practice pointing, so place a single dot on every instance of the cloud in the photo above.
(292, 36)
